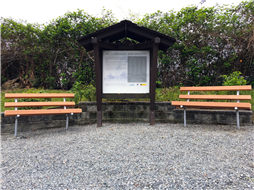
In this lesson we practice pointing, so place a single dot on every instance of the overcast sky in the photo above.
(42, 11)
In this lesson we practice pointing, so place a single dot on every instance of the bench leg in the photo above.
(237, 119)
(16, 125)
(67, 121)
(184, 117)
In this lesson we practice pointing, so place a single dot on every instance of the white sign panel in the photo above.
(125, 72)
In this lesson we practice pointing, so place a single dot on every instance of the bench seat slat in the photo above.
(246, 106)
(37, 104)
(216, 97)
(216, 88)
(9, 113)
(39, 95)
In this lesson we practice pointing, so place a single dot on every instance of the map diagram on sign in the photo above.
(115, 69)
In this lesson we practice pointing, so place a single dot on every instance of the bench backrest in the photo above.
(216, 97)
(38, 95)
(216, 88)
(17, 96)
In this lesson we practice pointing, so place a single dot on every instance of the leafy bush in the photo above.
(211, 41)
(44, 50)
(234, 79)
(80, 90)
(167, 94)
(90, 92)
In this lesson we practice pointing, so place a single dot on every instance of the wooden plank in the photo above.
(213, 104)
(37, 104)
(39, 95)
(141, 46)
(10, 113)
(124, 96)
(216, 97)
(216, 88)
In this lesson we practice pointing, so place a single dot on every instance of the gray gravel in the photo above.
(129, 156)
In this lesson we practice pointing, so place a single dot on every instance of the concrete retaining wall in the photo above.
(123, 112)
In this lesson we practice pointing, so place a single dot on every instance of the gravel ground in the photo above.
(130, 156)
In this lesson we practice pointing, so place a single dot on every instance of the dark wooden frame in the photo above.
(149, 40)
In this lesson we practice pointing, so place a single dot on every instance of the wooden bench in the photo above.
(231, 105)
(17, 113)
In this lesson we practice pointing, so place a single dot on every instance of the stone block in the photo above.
(160, 114)
(170, 116)
(84, 119)
(115, 107)
(107, 107)
(85, 105)
(73, 122)
(40, 118)
(84, 108)
(170, 107)
(92, 108)
(142, 115)
(146, 107)
(122, 107)
(245, 118)
(163, 108)
(131, 107)
(123, 115)
(7, 128)
(93, 115)
(178, 114)
(5, 119)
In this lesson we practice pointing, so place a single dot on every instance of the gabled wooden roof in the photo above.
(128, 29)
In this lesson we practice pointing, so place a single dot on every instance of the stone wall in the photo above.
(125, 112)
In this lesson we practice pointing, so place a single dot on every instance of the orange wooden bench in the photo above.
(17, 113)
(232, 105)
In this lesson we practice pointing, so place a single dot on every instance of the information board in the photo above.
(125, 72)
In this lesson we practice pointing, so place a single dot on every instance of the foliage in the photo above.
(78, 90)
(167, 94)
(234, 79)
(90, 92)
(49, 55)
(83, 91)
(211, 41)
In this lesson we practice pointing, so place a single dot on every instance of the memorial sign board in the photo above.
(125, 68)
(125, 72)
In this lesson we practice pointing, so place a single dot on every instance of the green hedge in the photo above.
(211, 42)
